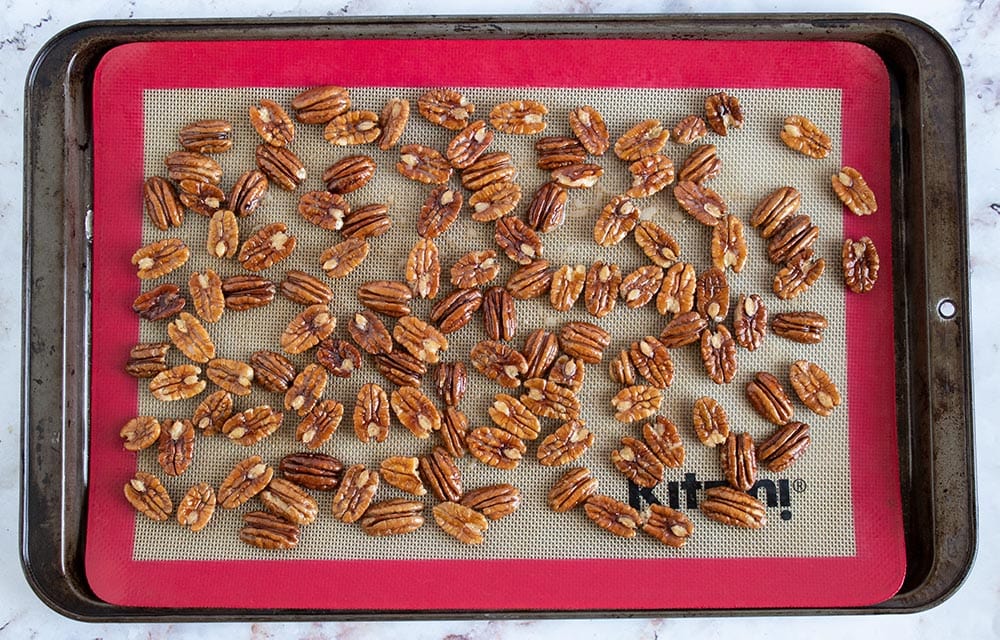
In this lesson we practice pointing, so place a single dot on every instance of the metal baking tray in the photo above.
(933, 396)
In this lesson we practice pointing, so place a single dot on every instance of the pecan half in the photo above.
(774, 209)
(190, 336)
(247, 292)
(701, 165)
(267, 531)
(400, 368)
(644, 139)
(567, 284)
(475, 269)
(718, 353)
(160, 258)
(854, 192)
(495, 501)
(213, 412)
(392, 121)
(652, 361)
(571, 489)
(578, 176)
(306, 390)
(638, 463)
(288, 500)
(305, 331)
(749, 321)
(454, 429)
(187, 165)
(445, 107)
(684, 329)
(253, 425)
(664, 441)
(801, 326)
(460, 522)
(230, 375)
(860, 261)
(511, 415)
(530, 280)
(175, 450)
(349, 174)
(415, 411)
(145, 492)
(793, 279)
(784, 447)
(370, 333)
(658, 245)
(272, 371)
(147, 359)
(650, 175)
(201, 197)
(689, 130)
(701, 203)
(712, 295)
(302, 288)
(669, 526)
(739, 461)
(601, 288)
(710, 422)
(223, 238)
(622, 370)
(371, 413)
(281, 166)
(814, 387)
(423, 164)
(793, 240)
(317, 471)
(800, 134)
(471, 142)
(494, 201)
(723, 111)
(267, 246)
(140, 433)
(455, 310)
(564, 445)
(558, 151)
(320, 105)
(162, 206)
(422, 340)
(541, 349)
(402, 472)
(640, 287)
(160, 303)
(439, 211)
(206, 136)
(352, 128)
(499, 315)
(442, 475)
(344, 257)
(517, 240)
(589, 128)
(615, 221)
(248, 192)
(489, 169)
(387, 297)
(547, 210)
(272, 123)
(495, 447)
(206, 293)
(247, 479)
(357, 488)
(339, 357)
(729, 247)
(196, 507)
(320, 423)
(393, 517)
(768, 398)
(520, 117)
(584, 340)
(499, 362)
(612, 515)
(324, 209)
(636, 402)
(734, 508)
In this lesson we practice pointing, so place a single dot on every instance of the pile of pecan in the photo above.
(544, 376)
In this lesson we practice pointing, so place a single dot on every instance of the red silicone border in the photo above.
(874, 574)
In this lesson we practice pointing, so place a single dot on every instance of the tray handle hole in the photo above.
(946, 309)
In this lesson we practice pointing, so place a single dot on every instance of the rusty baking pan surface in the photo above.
(857, 509)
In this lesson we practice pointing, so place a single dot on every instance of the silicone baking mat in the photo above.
(834, 536)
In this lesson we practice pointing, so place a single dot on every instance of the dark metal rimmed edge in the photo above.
(934, 390)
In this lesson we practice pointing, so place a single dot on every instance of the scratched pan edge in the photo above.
(934, 390)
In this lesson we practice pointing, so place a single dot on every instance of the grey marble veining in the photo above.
(973, 29)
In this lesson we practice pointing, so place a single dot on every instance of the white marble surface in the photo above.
(973, 29)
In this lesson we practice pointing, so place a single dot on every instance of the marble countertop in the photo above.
(973, 29)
